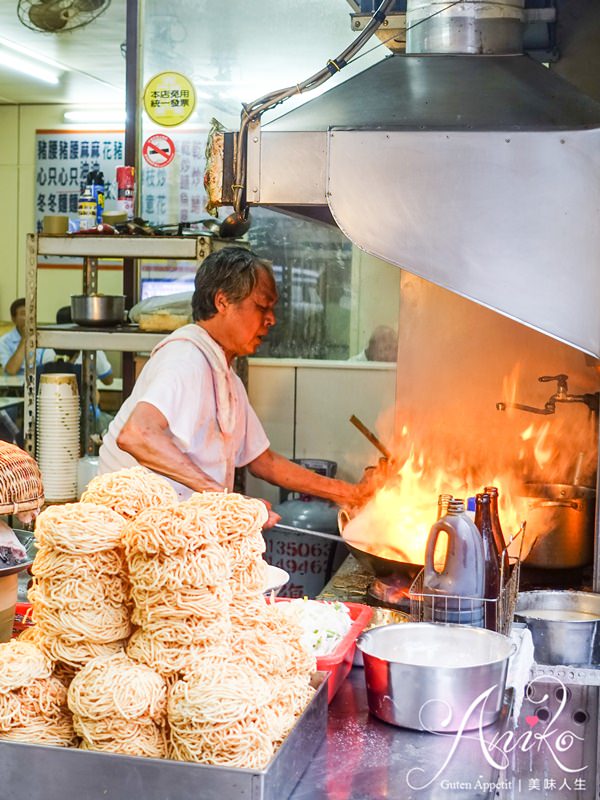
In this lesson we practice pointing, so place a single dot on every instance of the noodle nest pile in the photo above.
(119, 706)
(129, 491)
(33, 703)
(234, 707)
(190, 577)
(238, 528)
(80, 590)
(179, 577)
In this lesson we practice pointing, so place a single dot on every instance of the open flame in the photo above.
(396, 521)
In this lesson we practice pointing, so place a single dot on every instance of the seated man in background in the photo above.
(382, 346)
(12, 344)
(104, 371)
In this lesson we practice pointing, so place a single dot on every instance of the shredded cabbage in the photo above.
(324, 624)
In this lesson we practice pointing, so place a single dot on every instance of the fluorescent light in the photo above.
(28, 68)
(92, 115)
(26, 51)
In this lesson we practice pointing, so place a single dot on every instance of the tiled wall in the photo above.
(305, 408)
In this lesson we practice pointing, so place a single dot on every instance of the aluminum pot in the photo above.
(98, 309)
(432, 677)
(564, 625)
(560, 519)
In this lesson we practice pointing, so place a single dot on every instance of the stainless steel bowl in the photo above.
(98, 309)
(432, 677)
(564, 625)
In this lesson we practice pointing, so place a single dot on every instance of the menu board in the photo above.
(169, 195)
(63, 160)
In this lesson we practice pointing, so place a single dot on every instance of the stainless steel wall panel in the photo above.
(293, 169)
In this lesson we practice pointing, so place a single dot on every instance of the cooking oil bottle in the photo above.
(453, 586)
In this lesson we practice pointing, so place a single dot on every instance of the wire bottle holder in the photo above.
(492, 613)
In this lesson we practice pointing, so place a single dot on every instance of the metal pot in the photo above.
(98, 309)
(560, 520)
(564, 625)
(426, 677)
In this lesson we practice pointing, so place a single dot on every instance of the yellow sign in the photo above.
(169, 98)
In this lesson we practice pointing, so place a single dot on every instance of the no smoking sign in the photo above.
(158, 150)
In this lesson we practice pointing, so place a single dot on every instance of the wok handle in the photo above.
(343, 519)
(557, 504)
(370, 436)
(317, 534)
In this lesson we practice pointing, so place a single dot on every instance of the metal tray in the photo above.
(40, 772)
(27, 540)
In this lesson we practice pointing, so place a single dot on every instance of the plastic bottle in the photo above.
(456, 586)
(443, 500)
(491, 582)
(471, 507)
(498, 535)
(95, 183)
(87, 210)
(126, 190)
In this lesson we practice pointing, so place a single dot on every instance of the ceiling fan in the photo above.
(56, 16)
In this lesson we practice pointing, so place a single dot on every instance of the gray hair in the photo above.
(232, 270)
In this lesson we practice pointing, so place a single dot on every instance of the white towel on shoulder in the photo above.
(225, 396)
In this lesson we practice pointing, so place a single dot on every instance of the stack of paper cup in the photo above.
(58, 416)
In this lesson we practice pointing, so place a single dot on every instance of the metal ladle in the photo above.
(235, 225)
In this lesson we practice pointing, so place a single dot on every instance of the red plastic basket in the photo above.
(339, 662)
(22, 618)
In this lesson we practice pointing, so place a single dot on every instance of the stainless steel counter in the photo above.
(553, 753)
(365, 759)
(362, 758)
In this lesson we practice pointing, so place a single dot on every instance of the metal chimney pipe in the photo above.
(473, 27)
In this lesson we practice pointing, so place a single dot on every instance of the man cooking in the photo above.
(188, 417)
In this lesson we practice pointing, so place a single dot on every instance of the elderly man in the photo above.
(188, 417)
(12, 344)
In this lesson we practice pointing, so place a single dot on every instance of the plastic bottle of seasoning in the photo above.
(498, 535)
(126, 190)
(491, 589)
(95, 183)
(453, 588)
(471, 507)
(87, 210)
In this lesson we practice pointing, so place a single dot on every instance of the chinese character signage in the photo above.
(63, 160)
(169, 98)
(175, 192)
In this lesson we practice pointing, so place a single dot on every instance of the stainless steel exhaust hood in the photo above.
(478, 173)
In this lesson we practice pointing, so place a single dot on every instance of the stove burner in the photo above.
(390, 592)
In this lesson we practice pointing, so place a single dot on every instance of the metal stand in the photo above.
(29, 412)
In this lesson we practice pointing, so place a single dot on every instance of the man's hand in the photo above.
(273, 517)
(373, 479)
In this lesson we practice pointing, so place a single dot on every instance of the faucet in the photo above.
(561, 395)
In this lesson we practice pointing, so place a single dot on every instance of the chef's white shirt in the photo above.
(179, 382)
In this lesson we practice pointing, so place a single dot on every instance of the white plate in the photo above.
(275, 579)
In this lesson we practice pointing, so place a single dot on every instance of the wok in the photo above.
(382, 567)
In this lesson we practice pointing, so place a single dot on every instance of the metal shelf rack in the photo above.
(126, 338)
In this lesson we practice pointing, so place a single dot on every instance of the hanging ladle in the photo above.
(235, 225)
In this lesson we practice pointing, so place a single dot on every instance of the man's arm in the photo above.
(274, 468)
(15, 362)
(146, 436)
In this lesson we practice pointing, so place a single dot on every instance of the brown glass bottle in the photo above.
(483, 521)
(498, 535)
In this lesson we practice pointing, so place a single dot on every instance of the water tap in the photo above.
(561, 395)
